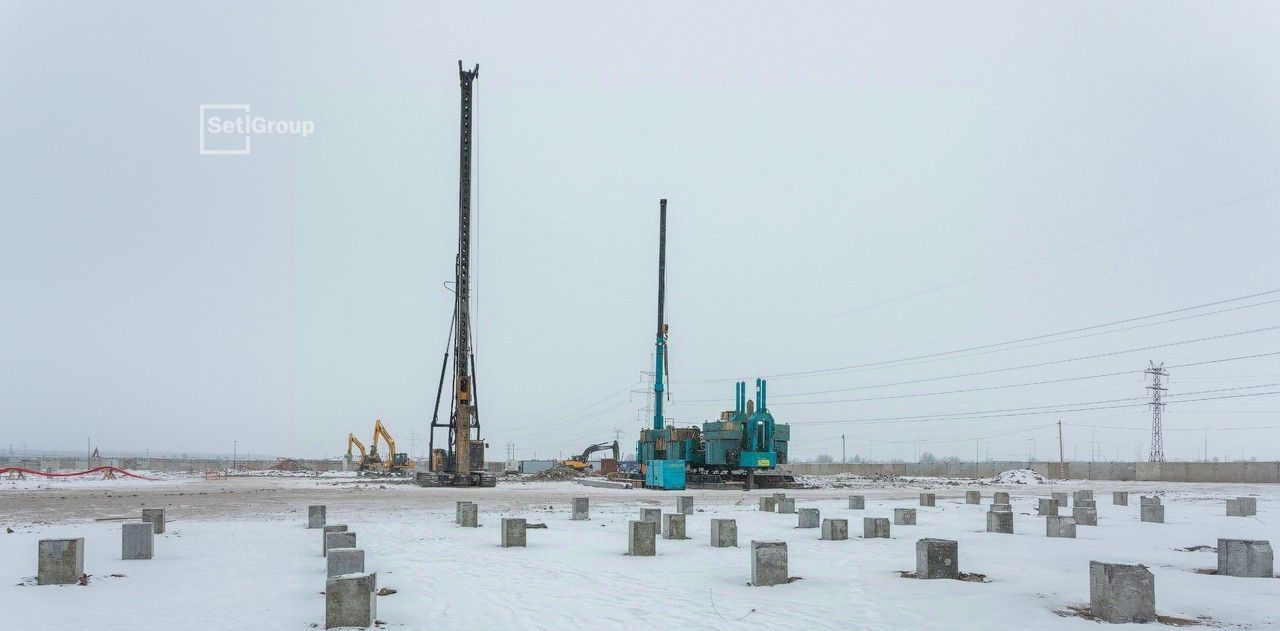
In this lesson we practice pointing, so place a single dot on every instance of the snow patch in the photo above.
(1020, 476)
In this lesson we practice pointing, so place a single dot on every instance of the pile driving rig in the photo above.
(743, 443)
(461, 462)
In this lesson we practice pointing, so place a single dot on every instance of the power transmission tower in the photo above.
(1157, 372)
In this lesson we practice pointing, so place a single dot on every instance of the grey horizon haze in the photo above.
(849, 184)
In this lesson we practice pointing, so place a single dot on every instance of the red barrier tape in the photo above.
(49, 474)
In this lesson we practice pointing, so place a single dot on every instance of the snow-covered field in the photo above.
(243, 559)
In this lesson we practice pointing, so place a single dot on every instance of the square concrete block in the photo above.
(1146, 500)
(468, 515)
(875, 527)
(315, 516)
(684, 504)
(857, 502)
(1087, 503)
(1064, 500)
(351, 600)
(787, 505)
(769, 504)
(768, 563)
(653, 516)
(60, 562)
(1080, 496)
(324, 534)
(1238, 507)
(1119, 498)
(1245, 558)
(1060, 526)
(1249, 504)
(928, 499)
(642, 538)
(808, 518)
(156, 517)
(1085, 515)
(835, 529)
(1001, 508)
(724, 533)
(973, 497)
(341, 539)
(778, 497)
(1153, 513)
(1047, 507)
(937, 558)
(581, 509)
(904, 516)
(341, 561)
(1000, 497)
(513, 532)
(1121, 593)
(673, 526)
(1000, 521)
(137, 540)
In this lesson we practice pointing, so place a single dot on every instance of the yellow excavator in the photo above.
(579, 462)
(370, 462)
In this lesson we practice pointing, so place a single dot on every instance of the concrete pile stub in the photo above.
(778, 497)
(1153, 513)
(1047, 507)
(642, 538)
(787, 505)
(315, 516)
(1234, 509)
(684, 504)
(808, 517)
(468, 514)
(724, 533)
(1245, 558)
(835, 529)
(60, 562)
(340, 539)
(1081, 496)
(1000, 521)
(904, 516)
(1085, 515)
(768, 563)
(344, 561)
(1064, 499)
(581, 509)
(973, 497)
(1000, 497)
(1146, 500)
(156, 517)
(769, 504)
(1120, 593)
(324, 535)
(937, 558)
(1001, 508)
(1120, 498)
(673, 526)
(875, 527)
(1060, 526)
(928, 499)
(513, 532)
(1086, 503)
(857, 502)
(137, 540)
(1250, 505)
(653, 516)
(351, 600)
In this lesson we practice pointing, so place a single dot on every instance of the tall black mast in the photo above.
(464, 391)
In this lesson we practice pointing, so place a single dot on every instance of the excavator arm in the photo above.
(352, 441)
(379, 430)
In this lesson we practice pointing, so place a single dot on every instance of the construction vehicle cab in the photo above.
(580, 462)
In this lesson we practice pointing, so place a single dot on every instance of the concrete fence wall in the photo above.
(172, 465)
(1252, 472)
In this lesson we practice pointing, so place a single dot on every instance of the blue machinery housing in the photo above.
(743, 439)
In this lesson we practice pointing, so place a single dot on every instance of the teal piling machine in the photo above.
(745, 445)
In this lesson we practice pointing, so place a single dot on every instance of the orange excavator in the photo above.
(396, 463)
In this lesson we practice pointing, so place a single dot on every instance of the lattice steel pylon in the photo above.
(1157, 372)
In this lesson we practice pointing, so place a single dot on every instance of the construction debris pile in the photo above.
(559, 472)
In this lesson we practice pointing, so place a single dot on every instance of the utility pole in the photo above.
(1206, 443)
(1062, 461)
(88, 452)
(1157, 432)
(235, 447)
(844, 456)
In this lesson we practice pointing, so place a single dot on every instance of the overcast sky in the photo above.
(848, 184)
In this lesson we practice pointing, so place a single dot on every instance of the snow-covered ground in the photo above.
(255, 566)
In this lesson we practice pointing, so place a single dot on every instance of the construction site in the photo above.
(998, 314)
